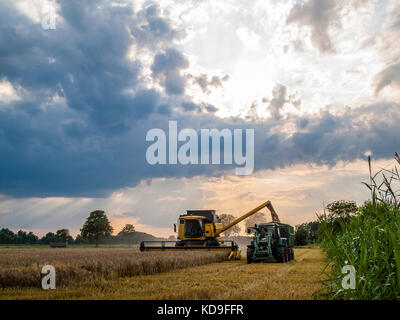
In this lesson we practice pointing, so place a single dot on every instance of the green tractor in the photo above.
(271, 240)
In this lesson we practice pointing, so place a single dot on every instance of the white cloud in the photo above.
(7, 92)
(257, 48)
(35, 9)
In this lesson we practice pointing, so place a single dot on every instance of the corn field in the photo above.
(369, 241)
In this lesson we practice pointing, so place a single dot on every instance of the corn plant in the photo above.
(369, 241)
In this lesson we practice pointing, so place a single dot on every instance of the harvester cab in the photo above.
(198, 227)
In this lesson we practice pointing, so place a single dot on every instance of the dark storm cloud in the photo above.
(80, 129)
(153, 31)
(190, 106)
(49, 147)
(89, 68)
(329, 138)
(324, 138)
(167, 67)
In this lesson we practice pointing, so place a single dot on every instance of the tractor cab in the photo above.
(271, 240)
(278, 231)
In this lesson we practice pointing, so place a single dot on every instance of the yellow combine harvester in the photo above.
(201, 230)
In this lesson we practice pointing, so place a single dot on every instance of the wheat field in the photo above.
(193, 275)
(91, 266)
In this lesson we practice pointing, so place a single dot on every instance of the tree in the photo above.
(49, 237)
(32, 238)
(301, 234)
(7, 236)
(80, 239)
(256, 218)
(63, 235)
(339, 212)
(22, 237)
(96, 225)
(227, 219)
(313, 226)
(127, 232)
(306, 233)
(342, 208)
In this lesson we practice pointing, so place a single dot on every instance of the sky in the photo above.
(317, 80)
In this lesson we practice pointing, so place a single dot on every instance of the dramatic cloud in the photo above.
(205, 83)
(152, 30)
(390, 76)
(279, 98)
(318, 16)
(167, 68)
(77, 104)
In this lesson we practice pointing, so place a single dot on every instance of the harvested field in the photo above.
(91, 266)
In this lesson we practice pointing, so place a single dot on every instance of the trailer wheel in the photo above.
(287, 255)
(291, 254)
(281, 254)
(250, 252)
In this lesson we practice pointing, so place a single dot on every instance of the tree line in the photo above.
(96, 229)
(335, 213)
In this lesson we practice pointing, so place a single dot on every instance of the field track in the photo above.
(298, 279)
